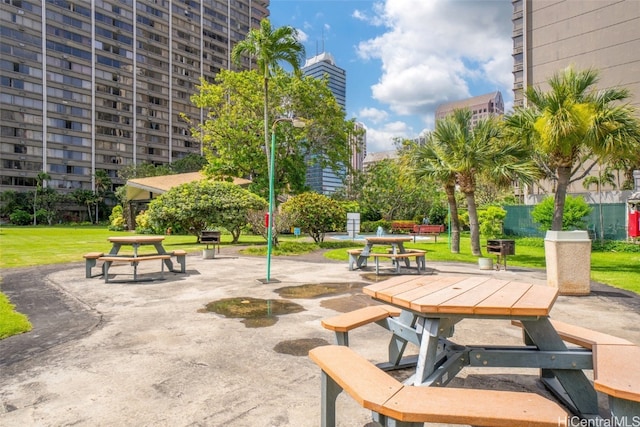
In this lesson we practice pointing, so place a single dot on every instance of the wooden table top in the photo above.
(387, 240)
(136, 239)
(466, 295)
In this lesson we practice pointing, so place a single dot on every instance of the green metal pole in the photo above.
(272, 162)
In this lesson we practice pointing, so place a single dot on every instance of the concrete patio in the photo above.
(146, 354)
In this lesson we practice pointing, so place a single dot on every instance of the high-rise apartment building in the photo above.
(324, 180)
(549, 35)
(482, 106)
(98, 85)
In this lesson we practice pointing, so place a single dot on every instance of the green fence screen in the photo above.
(519, 222)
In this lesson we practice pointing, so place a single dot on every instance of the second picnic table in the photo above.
(136, 242)
(396, 243)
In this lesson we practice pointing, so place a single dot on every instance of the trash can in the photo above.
(568, 259)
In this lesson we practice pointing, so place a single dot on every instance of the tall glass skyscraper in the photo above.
(325, 180)
(99, 85)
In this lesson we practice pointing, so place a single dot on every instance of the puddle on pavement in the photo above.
(299, 347)
(373, 277)
(316, 290)
(260, 313)
(257, 313)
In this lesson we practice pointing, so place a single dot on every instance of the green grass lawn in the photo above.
(33, 246)
(618, 269)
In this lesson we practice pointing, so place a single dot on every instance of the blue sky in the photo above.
(403, 58)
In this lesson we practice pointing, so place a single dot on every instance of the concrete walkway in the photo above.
(146, 354)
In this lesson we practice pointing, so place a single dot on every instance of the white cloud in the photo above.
(374, 114)
(438, 51)
(302, 36)
(382, 138)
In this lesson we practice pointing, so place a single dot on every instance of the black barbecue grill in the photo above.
(210, 238)
(501, 248)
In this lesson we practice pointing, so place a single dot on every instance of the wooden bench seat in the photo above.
(615, 362)
(354, 255)
(396, 404)
(419, 256)
(343, 323)
(134, 261)
(616, 372)
(91, 259)
(181, 257)
(580, 336)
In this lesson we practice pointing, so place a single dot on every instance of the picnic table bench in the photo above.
(357, 254)
(615, 369)
(427, 230)
(134, 261)
(395, 404)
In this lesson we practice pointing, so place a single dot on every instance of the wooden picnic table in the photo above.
(396, 243)
(136, 242)
(431, 307)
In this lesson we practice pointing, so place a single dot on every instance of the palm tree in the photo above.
(102, 186)
(269, 46)
(570, 123)
(424, 162)
(41, 181)
(474, 151)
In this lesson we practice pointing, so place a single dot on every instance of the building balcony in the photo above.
(518, 50)
(517, 32)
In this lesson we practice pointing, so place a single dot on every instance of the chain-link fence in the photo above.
(519, 222)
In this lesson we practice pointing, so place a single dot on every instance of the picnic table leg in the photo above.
(160, 250)
(329, 391)
(428, 349)
(105, 270)
(402, 251)
(622, 409)
(572, 387)
(398, 345)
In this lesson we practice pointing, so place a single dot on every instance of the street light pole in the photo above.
(298, 123)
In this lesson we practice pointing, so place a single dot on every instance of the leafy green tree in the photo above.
(231, 134)
(491, 221)
(571, 123)
(143, 170)
(12, 201)
(574, 213)
(86, 198)
(192, 162)
(116, 219)
(198, 205)
(20, 217)
(268, 46)
(384, 191)
(315, 214)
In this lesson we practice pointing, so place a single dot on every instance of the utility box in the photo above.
(353, 224)
(568, 259)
